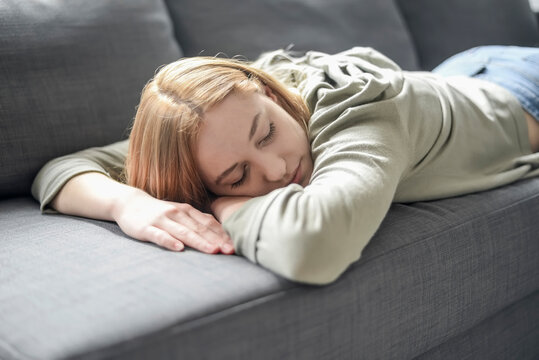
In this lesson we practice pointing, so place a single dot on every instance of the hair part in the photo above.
(161, 155)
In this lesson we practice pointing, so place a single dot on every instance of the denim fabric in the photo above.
(514, 68)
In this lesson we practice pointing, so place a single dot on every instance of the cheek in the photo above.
(293, 134)
(298, 136)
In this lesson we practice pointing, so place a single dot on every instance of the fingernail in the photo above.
(228, 248)
(178, 247)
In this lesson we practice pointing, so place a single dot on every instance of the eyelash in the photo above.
(270, 135)
(242, 180)
(264, 141)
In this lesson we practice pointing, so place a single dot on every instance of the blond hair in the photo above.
(161, 159)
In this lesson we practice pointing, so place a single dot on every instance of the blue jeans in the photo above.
(514, 68)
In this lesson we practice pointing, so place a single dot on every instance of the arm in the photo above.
(313, 234)
(108, 160)
(83, 184)
(78, 196)
(361, 150)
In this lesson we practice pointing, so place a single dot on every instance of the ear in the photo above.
(269, 93)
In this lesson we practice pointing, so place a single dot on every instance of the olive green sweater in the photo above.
(378, 135)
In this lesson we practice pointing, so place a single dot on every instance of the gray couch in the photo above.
(450, 279)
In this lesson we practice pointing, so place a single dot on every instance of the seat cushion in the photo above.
(72, 287)
(223, 26)
(511, 333)
(72, 73)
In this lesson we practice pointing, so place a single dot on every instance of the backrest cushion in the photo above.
(71, 75)
(250, 27)
(442, 28)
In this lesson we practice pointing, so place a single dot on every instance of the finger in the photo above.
(227, 248)
(226, 243)
(188, 236)
(207, 231)
(210, 222)
(163, 239)
(182, 223)
(207, 227)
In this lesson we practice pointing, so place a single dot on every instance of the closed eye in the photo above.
(267, 139)
(243, 177)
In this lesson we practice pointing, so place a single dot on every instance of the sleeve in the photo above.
(360, 151)
(108, 160)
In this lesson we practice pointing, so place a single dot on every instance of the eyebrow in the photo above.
(225, 173)
(254, 126)
(252, 132)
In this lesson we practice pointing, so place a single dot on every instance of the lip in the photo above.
(297, 175)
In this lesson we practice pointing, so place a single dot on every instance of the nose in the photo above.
(273, 167)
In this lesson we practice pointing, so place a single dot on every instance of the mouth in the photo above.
(296, 179)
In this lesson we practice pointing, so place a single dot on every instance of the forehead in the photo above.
(235, 110)
(224, 133)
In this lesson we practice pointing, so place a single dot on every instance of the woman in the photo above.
(302, 170)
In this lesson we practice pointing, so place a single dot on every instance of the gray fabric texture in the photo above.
(512, 333)
(213, 26)
(443, 28)
(442, 279)
(72, 73)
(70, 286)
(78, 288)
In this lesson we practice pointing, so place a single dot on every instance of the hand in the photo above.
(225, 206)
(169, 224)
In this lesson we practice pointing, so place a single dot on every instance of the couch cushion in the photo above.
(213, 26)
(72, 287)
(517, 326)
(72, 73)
(442, 28)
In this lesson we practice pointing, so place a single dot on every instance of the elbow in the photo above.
(314, 258)
(314, 271)
(303, 275)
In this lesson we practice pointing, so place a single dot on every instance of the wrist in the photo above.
(123, 195)
(225, 206)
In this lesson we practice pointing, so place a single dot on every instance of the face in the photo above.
(249, 145)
